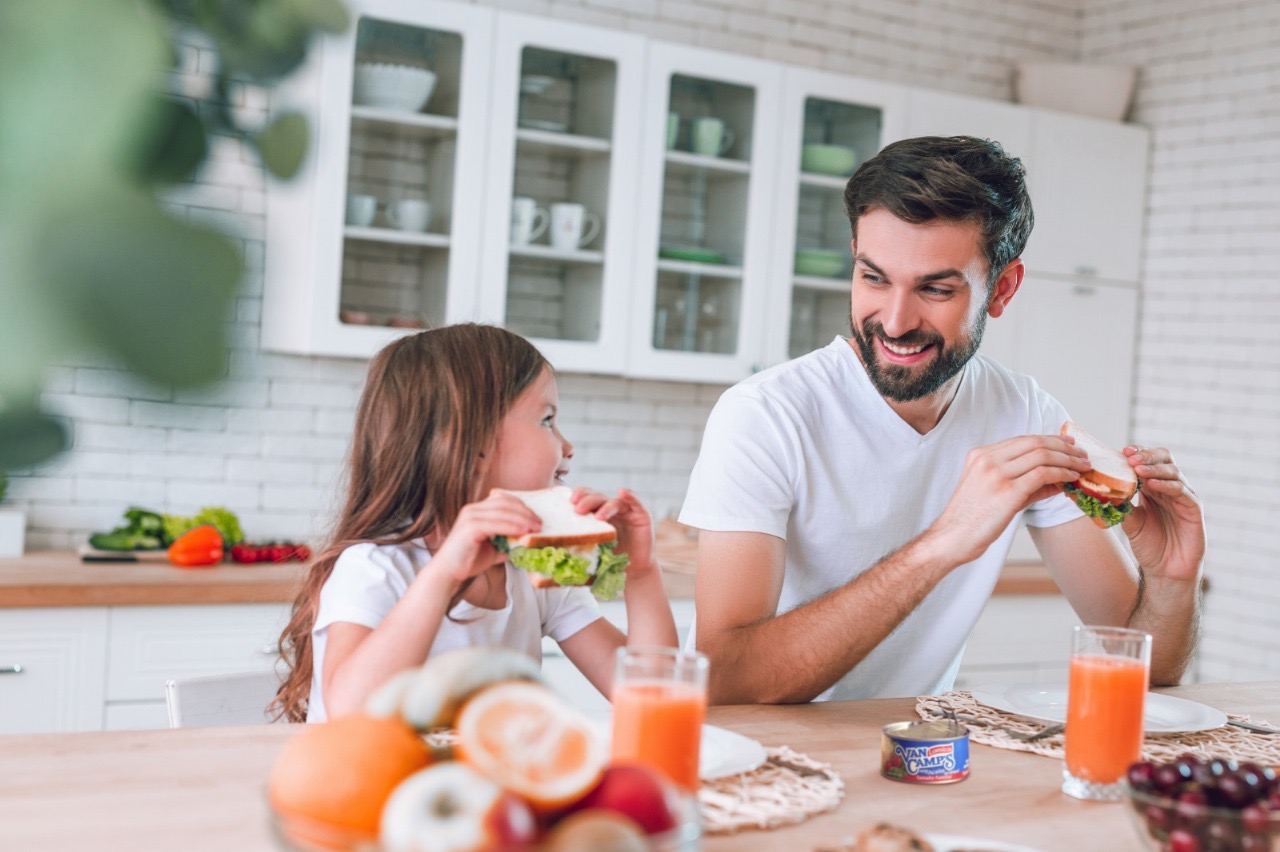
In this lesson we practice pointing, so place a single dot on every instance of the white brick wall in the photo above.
(270, 443)
(1208, 365)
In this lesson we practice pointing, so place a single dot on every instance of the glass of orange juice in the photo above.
(659, 702)
(1110, 667)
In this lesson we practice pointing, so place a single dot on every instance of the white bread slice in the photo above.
(1111, 475)
(562, 526)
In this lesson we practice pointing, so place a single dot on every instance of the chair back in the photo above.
(232, 699)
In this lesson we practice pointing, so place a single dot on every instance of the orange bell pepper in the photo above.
(197, 547)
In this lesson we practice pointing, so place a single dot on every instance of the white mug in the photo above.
(710, 137)
(409, 214)
(567, 222)
(528, 221)
(361, 209)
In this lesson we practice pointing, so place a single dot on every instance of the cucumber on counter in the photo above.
(144, 530)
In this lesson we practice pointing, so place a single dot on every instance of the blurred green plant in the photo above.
(91, 138)
(4, 486)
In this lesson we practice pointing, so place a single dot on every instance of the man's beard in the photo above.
(905, 384)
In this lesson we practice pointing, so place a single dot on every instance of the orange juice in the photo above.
(659, 723)
(1104, 716)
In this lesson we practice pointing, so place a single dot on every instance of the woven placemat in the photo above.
(990, 726)
(789, 787)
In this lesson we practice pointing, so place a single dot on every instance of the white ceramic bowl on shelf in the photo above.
(391, 86)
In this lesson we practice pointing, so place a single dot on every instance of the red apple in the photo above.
(448, 807)
(638, 792)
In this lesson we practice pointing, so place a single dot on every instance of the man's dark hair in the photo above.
(949, 178)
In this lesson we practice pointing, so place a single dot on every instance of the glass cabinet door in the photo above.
(561, 164)
(403, 140)
(831, 125)
(710, 135)
(389, 199)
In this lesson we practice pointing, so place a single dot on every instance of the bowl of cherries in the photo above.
(1198, 803)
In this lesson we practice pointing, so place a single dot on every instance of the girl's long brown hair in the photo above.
(431, 406)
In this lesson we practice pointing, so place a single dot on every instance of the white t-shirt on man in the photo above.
(368, 579)
(809, 451)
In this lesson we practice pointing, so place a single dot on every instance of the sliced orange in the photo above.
(524, 737)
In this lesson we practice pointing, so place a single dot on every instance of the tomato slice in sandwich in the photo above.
(1105, 498)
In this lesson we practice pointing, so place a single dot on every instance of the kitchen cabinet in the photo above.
(338, 281)
(1088, 182)
(95, 668)
(564, 133)
(52, 669)
(147, 645)
(933, 113)
(702, 216)
(686, 168)
(821, 115)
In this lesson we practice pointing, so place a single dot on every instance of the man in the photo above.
(856, 504)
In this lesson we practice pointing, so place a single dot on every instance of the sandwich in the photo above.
(1105, 493)
(571, 549)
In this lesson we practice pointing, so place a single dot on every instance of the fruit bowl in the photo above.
(828, 159)
(1197, 803)
(391, 86)
(297, 834)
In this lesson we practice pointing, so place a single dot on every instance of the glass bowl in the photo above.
(298, 834)
(1170, 825)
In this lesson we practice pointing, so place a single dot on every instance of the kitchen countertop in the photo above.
(60, 578)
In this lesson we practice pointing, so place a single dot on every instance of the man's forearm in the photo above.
(1170, 611)
(794, 657)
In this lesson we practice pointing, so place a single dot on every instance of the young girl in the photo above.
(447, 416)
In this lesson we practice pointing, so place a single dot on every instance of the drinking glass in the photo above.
(1110, 667)
(659, 702)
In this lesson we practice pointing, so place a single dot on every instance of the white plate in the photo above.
(1163, 714)
(723, 752)
(726, 752)
(955, 843)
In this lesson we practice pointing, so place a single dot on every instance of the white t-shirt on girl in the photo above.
(809, 451)
(368, 579)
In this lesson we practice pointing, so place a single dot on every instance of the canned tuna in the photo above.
(926, 752)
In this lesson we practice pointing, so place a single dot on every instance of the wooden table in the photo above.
(202, 789)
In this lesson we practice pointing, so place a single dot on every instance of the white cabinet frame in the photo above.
(607, 354)
(305, 216)
(665, 61)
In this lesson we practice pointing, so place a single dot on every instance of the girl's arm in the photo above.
(649, 618)
(358, 660)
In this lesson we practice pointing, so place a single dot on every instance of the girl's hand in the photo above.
(468, 550)
(629, 516)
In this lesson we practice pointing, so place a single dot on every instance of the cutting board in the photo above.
(90, 554)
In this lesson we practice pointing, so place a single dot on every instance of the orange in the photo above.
(525, 738)
(332, 779)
